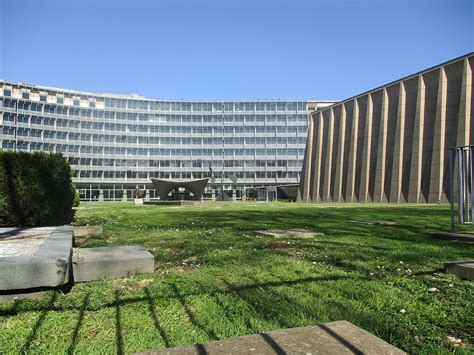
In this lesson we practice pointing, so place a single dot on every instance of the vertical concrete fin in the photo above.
(326, 195)
(340, 156)
(417, 147)
(396, 185)
(437, 160)
(464, 123)
(381, 151)
(319, 126)
(366, 151)
(352, 154)
(308, 161)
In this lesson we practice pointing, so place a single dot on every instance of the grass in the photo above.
(215, 279)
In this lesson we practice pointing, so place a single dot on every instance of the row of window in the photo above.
(173, 106)
(219, 140)
(164, 152)
(177, 119)
(199, 163)
(248, 175)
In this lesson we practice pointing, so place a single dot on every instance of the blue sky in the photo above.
(229, 49)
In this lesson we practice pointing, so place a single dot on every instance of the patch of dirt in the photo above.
(190, 260)
(78, 242)
(131, 284)
(278, 245)
(111, 240)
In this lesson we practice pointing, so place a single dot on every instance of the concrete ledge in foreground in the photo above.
(462, 269)
(332, 338)
(90, 264)
(35, 257)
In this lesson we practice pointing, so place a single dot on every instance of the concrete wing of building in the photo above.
(391, 144)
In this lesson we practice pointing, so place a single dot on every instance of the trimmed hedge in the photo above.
(35, 189)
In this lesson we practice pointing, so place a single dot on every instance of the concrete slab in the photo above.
(459, 236)
(34, 257)
(172, 203)
(375, 223)
(288, 233)
(88, 231)
(90, 264)
(332, 338)
(462, 269)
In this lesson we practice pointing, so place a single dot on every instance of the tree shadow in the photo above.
(154, 316)
(118, 323)
(34, 331)
(341, 340)
(273, 344)
(75, 333)
(210, 333)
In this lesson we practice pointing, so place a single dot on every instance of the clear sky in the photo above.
(261, 49)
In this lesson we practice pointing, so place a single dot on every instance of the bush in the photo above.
(77, 198)
(35, 189)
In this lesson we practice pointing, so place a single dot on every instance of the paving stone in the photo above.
(332, 338)
(90, 264)
(88, 231)
(459, 236)
(375, 223)
(173, 202)
(288, 233)
(462, 269)
(34, 257)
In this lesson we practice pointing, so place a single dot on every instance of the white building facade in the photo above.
(116, 143)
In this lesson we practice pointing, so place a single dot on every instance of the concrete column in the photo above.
(416, 165)
(396, 185)
(147, 194)
(340, 156)
(308, 161)
(379, 194)
(213, 195)
(437, 159)
(234, 195)
(464, 130)
(326, 195)
(319, 126)
(366, 152)
(124, 196)
(350, 186)
(101, 195)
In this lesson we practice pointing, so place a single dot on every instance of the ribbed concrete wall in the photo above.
(391, 144)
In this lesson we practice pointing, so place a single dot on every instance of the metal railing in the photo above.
(461, 162)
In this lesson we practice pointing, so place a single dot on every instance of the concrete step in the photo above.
(90, 264)
(34, 257)
(332, 338)
(462, 269)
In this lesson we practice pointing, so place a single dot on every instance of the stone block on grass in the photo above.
(332, 338)
(462, 269)
(90, 264)
(288, 233)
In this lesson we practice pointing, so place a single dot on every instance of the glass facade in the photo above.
(116, 143)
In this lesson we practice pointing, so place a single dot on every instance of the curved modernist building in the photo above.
(117, 143)
(391, 143)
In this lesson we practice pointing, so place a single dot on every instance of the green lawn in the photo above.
(215, 279)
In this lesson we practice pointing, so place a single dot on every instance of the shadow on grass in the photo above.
(75, 333)
(34, 331)
(118, 323)
(154, 316)
(210, 333)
